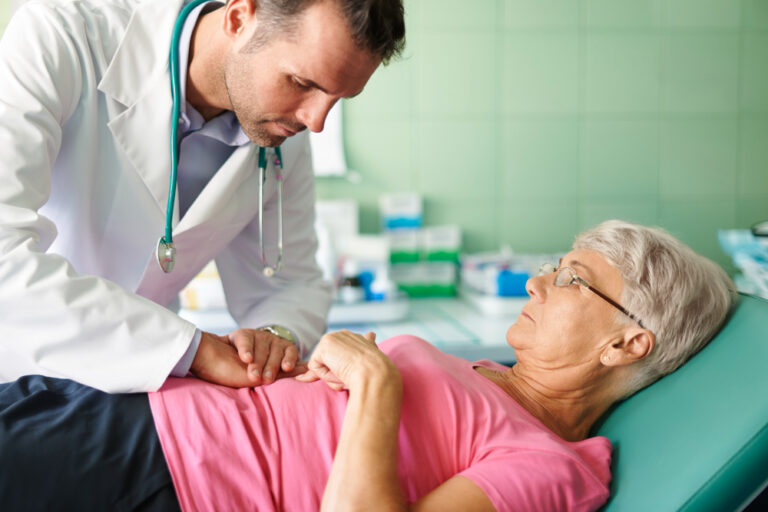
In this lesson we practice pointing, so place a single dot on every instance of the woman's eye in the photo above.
(300, 84)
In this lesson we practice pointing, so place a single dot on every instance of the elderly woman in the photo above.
(398, 426)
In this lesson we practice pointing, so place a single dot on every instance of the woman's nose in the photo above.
(536, 287)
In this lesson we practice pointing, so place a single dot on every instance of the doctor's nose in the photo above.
(312, 113)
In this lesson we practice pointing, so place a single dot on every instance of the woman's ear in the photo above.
(635, 346)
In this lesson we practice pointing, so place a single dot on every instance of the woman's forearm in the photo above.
(364, 471)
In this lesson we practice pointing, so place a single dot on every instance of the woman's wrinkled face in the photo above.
(568, 326)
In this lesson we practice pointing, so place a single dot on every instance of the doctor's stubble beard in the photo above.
(252, 120)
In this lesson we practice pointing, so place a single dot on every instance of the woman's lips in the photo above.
(523, 313)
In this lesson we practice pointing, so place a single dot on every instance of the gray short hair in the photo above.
(681, 296)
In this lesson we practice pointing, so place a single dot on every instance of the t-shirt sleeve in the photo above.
(537, 480)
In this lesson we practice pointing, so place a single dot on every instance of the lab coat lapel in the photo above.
(220, 212)
(141, 127)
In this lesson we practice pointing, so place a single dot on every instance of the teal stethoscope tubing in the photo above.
(166, 252)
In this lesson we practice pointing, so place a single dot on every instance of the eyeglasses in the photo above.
(566, 277)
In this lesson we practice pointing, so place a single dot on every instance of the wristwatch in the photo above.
(279, 331)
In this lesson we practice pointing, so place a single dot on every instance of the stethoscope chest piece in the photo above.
(166, 255)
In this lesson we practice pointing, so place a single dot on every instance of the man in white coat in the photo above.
(85, 113)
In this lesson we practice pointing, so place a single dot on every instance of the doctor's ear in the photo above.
(238, 14)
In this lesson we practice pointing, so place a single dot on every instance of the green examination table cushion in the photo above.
(698, 438)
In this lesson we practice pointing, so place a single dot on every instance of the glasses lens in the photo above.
(546, 268)
(564, 277)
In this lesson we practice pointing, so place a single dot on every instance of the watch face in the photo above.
(280, 331)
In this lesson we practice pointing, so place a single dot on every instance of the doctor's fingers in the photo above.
(216, 361)
(300, 369)
(242, 340)
(281, 353)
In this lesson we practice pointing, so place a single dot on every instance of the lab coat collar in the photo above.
(141, 59)
(142, 129)
(138, 78)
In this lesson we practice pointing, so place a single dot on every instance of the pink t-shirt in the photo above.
(271, 448)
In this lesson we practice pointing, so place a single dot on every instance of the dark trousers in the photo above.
(65, 446)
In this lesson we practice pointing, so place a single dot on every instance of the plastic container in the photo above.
(404, 245)
(426, 279)
(400, 211)
(351, 291)
(503, 273)
(441, 243)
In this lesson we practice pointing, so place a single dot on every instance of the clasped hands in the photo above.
(251, 357)
(245, 358)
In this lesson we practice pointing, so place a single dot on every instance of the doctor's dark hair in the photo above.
(376, 25)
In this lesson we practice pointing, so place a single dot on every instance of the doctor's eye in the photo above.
(301, 85)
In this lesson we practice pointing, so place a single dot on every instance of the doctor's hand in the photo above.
(268, 356)
(218, 361)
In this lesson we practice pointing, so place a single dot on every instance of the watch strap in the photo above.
(279, 331)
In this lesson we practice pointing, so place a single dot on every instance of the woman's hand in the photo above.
(343, 359)
(368, 438)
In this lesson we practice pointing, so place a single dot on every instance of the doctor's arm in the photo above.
(297, 297)
(364, 471)
(53, 319)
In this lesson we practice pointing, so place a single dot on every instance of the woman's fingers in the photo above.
(311, 376)
(318, 371)
(307, 376)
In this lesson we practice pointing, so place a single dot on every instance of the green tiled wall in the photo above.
(525, 121)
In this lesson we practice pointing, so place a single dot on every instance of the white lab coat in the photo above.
(84, 166)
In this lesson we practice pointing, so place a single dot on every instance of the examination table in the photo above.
(698, 439)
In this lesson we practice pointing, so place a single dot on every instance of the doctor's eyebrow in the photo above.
(315, 85)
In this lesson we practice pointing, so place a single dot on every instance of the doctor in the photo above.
(85, 114)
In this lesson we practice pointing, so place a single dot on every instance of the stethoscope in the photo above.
(166, 252)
